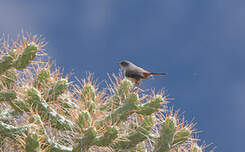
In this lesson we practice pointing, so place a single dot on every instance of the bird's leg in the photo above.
(137, 86)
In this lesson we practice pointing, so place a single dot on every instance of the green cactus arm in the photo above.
(5, 63)
(90, 106)
(24, 59)
(7, 95)
(59, 87)
(57, 120)
(195, 148)
(122, 92)
(139, 135)
(88, 93)
(87, 141)
(53, 146)
(124, 88)
(32, 143)
(152, 106)
(41, 78)
(67, 103)
(19, 105)
(107, 138)
(112, 103)
(90, 139)
(9, 78)
(181, 136)
(5, 114)
(10, 131)
(84, 120)
(121, 113)
(167, 132)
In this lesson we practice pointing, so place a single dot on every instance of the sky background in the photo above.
(200, 43)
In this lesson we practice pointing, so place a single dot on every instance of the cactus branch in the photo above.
(10, 131)
(5, 63)
(167, 135)
(53, 145)
(107, 138)
(87, 141)
(152, 106)
(32, 143)
(26, 57)
(57, 120)
(121, 113)
(139, 135)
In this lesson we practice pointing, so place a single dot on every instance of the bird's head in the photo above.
(124, 64)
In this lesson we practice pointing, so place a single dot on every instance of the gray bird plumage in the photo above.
(135, 73)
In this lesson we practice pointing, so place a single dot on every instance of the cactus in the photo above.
(24, 59)
(41, 110)
(5, 63)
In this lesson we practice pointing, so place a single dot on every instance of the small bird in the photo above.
(135, 73)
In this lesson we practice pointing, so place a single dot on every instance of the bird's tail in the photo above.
(158, 73)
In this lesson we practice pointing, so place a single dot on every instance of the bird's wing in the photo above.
(134, 74)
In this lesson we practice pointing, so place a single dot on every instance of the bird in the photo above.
(135, 73)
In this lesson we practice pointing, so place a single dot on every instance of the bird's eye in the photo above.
(124, 63)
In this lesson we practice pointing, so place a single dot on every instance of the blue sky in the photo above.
(199, 43)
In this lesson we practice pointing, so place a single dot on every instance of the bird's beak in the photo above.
(118, 63)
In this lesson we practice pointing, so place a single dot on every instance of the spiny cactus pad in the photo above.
(42, 110)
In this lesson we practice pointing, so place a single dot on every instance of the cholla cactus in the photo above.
(41, 110)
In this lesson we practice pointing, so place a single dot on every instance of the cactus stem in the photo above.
(45, 109)
(10, 131)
